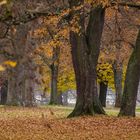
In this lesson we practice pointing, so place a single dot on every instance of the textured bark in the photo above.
(4, 89)
(131, 82)
(54, 77)
(12, 96)
(20, 82)
(85, 51)
(118, 73)
(20, 87)
(103, 93)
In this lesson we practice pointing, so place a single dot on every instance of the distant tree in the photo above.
(105, 79)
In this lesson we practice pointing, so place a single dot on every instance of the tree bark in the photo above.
(85, 51)
(54, 67)
(20, 87)
(4, 93)
(12, 96)
(21, 77)
(54, 77)
(131, 82)
(65, 98)
(59, 99)
(103, 93)
(118, 73)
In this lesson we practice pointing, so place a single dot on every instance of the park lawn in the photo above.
(50, 123)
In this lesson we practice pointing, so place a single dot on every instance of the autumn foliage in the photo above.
(48, 123)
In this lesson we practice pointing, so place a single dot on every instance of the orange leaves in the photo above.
(41, 124)
(98, 2)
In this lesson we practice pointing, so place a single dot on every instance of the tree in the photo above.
(105, 79)
(49, 52)
(85, 46)
(21, 77)
(131, 82)
(117, 44)
(4, 89)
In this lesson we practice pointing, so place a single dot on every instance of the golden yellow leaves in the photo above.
(10, 63)
(105, 74)
(66, 81)
(54, 43)
(6, 64)
(2, 68)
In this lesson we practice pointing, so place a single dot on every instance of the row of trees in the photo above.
(31, 29)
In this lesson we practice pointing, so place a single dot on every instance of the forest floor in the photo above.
(50, 123)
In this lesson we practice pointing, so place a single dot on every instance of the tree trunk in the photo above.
(54, 77)
(20, 87)
(21, 77)
(12, 96)
(85, 51)
(103, 93)
(131, 82)
(59, 99)
(65, 98)
(118, 73)
(4, 93)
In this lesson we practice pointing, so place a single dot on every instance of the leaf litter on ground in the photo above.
(50, 123)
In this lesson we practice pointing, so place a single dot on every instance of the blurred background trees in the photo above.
(51, 47)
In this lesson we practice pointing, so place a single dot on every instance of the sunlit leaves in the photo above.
(2, 68)
(10, 63)
(105, 74)
(6, 64)
(66, 81)
(2, 2)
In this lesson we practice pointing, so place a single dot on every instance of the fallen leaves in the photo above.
(49, 123)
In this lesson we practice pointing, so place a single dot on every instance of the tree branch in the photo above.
(129, 4)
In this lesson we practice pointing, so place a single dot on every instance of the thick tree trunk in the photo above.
(28, 99)
(12, 96)
(131, 82)
(21, 77)
(118, 73)
(85, 51)
(20, 87)
(103, 93)
(4, 89)
(54, 77)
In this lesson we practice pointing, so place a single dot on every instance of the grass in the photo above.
(50, 123)
(138, 109)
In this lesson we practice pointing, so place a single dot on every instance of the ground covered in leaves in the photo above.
(50, 123)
